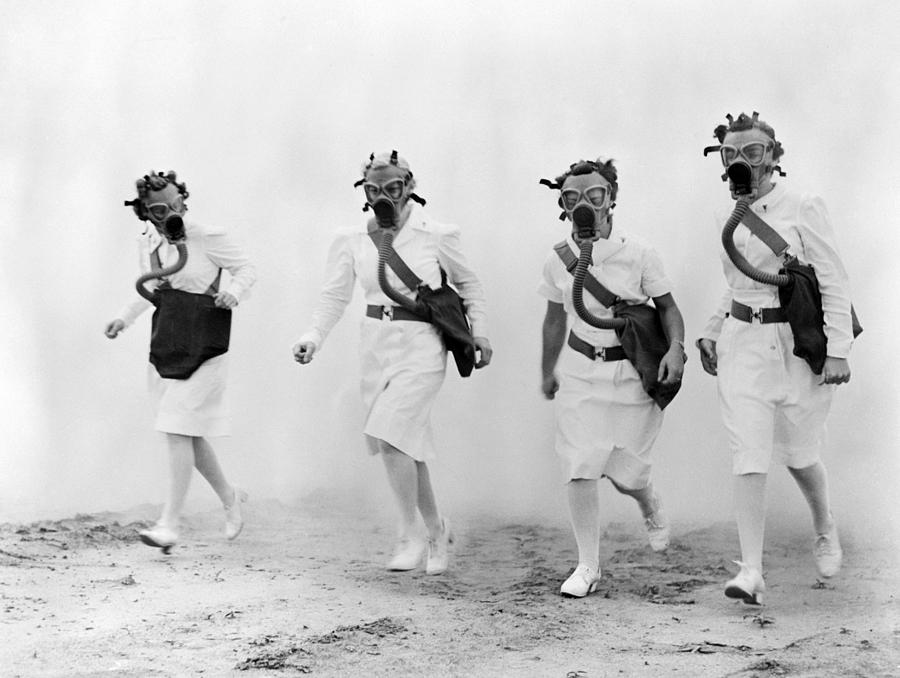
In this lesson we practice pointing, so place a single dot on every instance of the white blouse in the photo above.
(426, 246)
(623, 263)
(803, 222)
(209, 251)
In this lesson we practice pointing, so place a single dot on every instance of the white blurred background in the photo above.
(268, 109)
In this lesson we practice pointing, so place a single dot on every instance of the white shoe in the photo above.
(159, 536)
(439, 550)
(581, 582)
(828, 553)
(657, 528)
(408, 555)
(234, 518)
(748, 585)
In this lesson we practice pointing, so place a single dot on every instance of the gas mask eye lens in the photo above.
(570, 198)
(394, 189)
(372, 191)
(596, 195)
(754, 152)
(729, 154)
(158, 210)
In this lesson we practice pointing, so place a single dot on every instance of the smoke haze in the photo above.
(267, 112)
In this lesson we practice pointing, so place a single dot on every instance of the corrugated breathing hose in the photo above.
(738, 259)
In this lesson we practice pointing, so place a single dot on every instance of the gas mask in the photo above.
(748, 152)
(386, 199)
(746, 164)
(586, 201)
(167, 217)
(388, 184)
(161, 201)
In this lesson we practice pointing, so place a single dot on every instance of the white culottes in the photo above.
(402, 366)
(195, 406)
(606, 423)
(772, 404)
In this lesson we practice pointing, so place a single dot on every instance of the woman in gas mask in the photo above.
(775, 392)
(183, 258)
(403, 356)
(609, 387)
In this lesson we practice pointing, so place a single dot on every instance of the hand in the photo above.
(483, 346)
(836, 371)
(303, 351)
(671, 367)
(113, 327)
(225, 300)
(549, 386)
(708, 357)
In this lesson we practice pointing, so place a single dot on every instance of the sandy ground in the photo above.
(303, 591)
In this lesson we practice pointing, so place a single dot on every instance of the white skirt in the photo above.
(195, 406)
(772, 404)
(402, 366)
(606, 423)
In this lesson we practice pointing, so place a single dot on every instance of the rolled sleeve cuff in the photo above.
(713, 328)
(838, 346)
(658, 288)
(315, 336)
(550, 293)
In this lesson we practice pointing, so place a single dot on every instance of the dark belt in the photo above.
(763, 315)
(392, 313)
(606, 354)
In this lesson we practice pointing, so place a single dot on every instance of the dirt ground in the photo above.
(303, 591)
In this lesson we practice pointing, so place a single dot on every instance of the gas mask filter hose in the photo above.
(738, 259)
(584, 260)
(161, 273)
(384, 250)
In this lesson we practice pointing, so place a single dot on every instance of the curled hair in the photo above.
(154, 181)
(746, 122)
(391, 159)
(604, 168)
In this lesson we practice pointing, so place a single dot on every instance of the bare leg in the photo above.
(181, 464)
(206, 461)
(584, 509)
(750, 510)
(403, 476)
(813, 482)
(427, 503)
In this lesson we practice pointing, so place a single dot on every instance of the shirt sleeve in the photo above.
(225, 253)
(548, 288)
(460, 273)
(820, 251)
(133, 309)
(714, 325)
(654, 282)
(337, 290)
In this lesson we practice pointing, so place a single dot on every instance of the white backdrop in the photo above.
(267, 111)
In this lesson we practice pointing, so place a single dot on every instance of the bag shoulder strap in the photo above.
(214, 285)
(764, 232)
(591, 284)
(404, 272)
